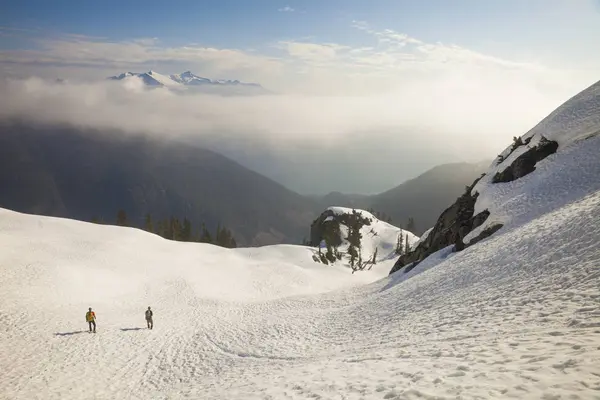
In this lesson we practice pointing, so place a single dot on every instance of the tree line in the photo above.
(410, 225)
(402, 245)
(174, 228)
(380, 215)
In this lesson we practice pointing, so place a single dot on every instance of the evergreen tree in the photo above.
(411, 226)
(359, 261)
(121, 218)
(374, 259)
(177, 229)
(148, 225)
(407, 246)
(224, 238)
(168, 228)
(399, 244)
(329, 255)
(186, 230)
(218, 235)
(353, 255)
(205, 236)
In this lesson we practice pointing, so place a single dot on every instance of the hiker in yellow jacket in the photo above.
(90, 317)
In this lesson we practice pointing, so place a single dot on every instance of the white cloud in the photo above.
(72, 51)
(286, 9)
(448, 107)
(392, 60)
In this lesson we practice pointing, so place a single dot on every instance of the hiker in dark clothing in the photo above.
(90, 317)
(149, 318)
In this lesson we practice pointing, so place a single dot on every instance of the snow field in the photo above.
(517, 316)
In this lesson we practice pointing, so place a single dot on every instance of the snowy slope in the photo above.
(187, 78)
(379, 236)
(517, 316)
(162, 79)
(150, 78)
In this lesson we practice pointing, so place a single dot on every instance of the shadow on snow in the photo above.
(68, 333)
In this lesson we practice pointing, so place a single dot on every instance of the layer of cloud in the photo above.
(453, 118)
(388, 62)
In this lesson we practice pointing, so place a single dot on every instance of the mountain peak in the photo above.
(187, 78)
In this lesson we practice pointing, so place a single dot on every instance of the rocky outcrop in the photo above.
(327, 227)
(525, 163)
(487, 232)
(450, 229)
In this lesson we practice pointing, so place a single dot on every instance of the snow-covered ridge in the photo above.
(553, 164)
(186, 78)
(378, 241)
(565, 176)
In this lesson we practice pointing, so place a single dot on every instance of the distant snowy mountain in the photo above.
(188, 78)
(185, 79)
(150, 78)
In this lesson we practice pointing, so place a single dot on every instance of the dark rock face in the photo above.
(525, 163)
(450, 229)
(319, 229)
(487, 232)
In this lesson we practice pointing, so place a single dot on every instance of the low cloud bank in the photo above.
(449, 118)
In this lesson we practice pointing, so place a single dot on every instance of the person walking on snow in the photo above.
(90, 317)
(149, 318)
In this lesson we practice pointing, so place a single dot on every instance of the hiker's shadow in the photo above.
(131, 329)
(68, 333)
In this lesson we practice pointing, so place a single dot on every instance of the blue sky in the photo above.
(466, 75)
(549, 30)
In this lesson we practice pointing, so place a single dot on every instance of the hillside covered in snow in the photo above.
(357, 238)
(514, 314)
(552, 165)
